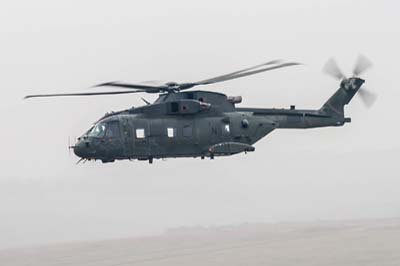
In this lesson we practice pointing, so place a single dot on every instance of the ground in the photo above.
(364, 242)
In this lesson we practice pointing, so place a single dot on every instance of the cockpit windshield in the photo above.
(98, 131)
(109, 130)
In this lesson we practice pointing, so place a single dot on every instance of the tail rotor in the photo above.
(362, 64)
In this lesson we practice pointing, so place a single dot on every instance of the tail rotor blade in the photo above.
(367, 97)
(331, 68)
(362, 65)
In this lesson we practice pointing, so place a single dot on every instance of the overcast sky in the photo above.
(66, 46)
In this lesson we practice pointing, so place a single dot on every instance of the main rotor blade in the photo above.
(242, 70)
(147, 88)
(172, 86)
(362, 65)
(331, 68)
(80, 94)
(368, 98)
(240, 74)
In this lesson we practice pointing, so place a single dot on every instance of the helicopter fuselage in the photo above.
(191, 124)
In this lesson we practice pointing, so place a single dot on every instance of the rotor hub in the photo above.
(353, 83)
(172, 85)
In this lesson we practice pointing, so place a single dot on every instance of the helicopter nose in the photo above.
(81, 149)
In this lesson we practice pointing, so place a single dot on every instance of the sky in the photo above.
(47, 46)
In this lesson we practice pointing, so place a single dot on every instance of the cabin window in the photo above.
(227, 129)
(140, 134)
(187, 131)
(170, 132)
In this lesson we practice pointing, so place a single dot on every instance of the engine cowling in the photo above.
(234, 99)
(187, 107)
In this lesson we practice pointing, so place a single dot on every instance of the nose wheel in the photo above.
(150, 160)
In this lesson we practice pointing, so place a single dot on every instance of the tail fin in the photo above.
(335, 104)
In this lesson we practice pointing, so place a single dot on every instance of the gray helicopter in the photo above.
(196, 123)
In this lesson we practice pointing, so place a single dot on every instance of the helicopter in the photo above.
(199, 124)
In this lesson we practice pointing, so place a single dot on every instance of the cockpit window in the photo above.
(98, 131)
(110, 130)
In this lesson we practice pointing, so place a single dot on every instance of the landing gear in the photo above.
(212, 156)
(150, 160)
